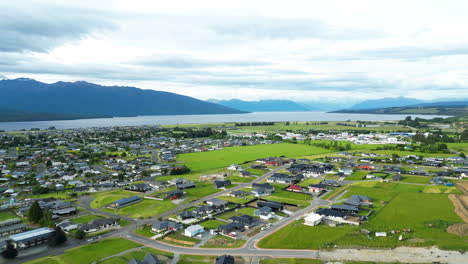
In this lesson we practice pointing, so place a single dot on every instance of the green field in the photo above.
(202, 189)
(212, 224)
(200, 161)
(139, 254)
(105, 198)
(239, 200)
(5, 215)
(196, 259)
(90, 253)
(279, 195)
(144, 209)
(239, 212)
(85, 219)
(460, 147)
(396, 207)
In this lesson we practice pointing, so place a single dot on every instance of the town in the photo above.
(222, 186)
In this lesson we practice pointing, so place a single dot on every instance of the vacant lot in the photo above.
(223, 242)
(212, 224)
(90, 253)
(396, 207)
(144, 209)
(164, 257)
(105, 198)
(234, 155)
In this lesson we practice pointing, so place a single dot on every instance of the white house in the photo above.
(234, 167)
(193, 230)
(313, 219)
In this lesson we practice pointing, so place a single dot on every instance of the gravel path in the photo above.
(401, 254)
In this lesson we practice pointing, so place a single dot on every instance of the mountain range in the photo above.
(88, 99)
(263, 105)
(386, 102)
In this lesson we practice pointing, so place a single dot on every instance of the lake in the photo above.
(194, 119)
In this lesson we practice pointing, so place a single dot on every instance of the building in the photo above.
(264, 213)
(225, 259)
(174, 195)
(194, 230)
(317, 188)
(294, 188)
(148, 259)
(32, 238)
(11, 226)
(218, 203)
(161, 226)
(272, 204)
(100, 224)
(125, 201)
(68, 226)
(221, 184)
(312, 219)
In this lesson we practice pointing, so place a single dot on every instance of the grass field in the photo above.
(212, 224)
(105, 198)
(90, 253)
(200, 161)
(357, 175)
(139, 254)
(220, 241)
(396, 207)
(239, 212)
(85, 219)
(289, 197)
(196, 259)
(460, 147)
(5, 215)
(144, 209)
(202, 189)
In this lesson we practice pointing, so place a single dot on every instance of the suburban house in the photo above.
(262, 189)
(264, 213)
(231, 227)
(68, 226)
(238, 193)
(339, 216)
(185, 185)
(140, 187)
(359, 200)
(217, 203)
(294, 188)
(277, 206)
(418, 172)
(245, 220)
(345, 208)
(312, 219)
(330, 183)
(245, 173)
(148, 259)
(99, 225)
(225, 259)
(194, 230)
(397, 177)
(280, 178)
(346, 171)
(234, 167)
(187, 215)
(125, 201)
(220, 184)
(317, 188)
(161, 226)
(174, 195)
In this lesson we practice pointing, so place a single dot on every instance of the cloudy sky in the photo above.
(300, 50)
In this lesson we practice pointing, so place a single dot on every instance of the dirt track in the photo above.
(460, 201)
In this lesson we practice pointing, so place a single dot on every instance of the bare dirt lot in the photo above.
(460, 229)
(460, 201)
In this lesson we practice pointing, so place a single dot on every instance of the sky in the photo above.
(307, 51)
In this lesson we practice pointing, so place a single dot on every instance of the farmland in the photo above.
(200, 161)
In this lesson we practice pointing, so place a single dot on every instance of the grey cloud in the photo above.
(178, 61)
(43, 28)
(281, 28)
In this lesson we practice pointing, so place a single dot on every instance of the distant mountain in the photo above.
(386, 102)
(9, 115)
(263, 105)
(457, 108)
(83, 98)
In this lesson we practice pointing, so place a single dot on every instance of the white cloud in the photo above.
(300, 50)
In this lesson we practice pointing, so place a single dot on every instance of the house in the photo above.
(294, 188)
(438, 180)
(141, 187)
(397, 177)
(225, 259)
(280, 178)
(220, 184)
(148, 259)
(234, 167)
(68, 226)
(245, 174)
(358, 200)
(264, 213)
(262, 189)
(365, 167)
(330, 183)
(161, 226)
(231, 227)
(238, 193)
(194, 230)
(272, 204)
(345, 208)
(418, 172)
(99, 224)
(339, 216)
(125, 202)
(217, 203)
(204, 210)
(317, 188)
(185, 185)
(346, 171)
(245, 220)
(174, 195)
(312, 219)
(187, 215)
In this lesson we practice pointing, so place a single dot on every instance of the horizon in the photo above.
(249, 51)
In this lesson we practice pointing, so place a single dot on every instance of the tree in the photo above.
(35, 213)
(10, 252)
(462, 155)
(59, 237)
(80, 234)
(46, 219)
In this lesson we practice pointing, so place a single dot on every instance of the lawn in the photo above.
(196, 259)
(357, 175)
(220, 241)
(201, 190)
(144, 231)
(239, 200)
(5, 215)
(85, 219)
(200, 161)
(279, 195)
(396, 207)
(139, 254)
(416, 179)
(90, 253)
(144, 209)
(105, 198)
(212, 224)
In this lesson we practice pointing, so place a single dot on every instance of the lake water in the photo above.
(194, 119)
